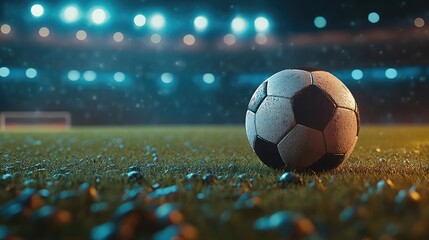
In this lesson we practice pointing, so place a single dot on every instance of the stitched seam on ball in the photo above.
(279, 96)
(327, 95)
(346, 108)
(285, 134)
(356, 115)
(324, 142)
(256, 132)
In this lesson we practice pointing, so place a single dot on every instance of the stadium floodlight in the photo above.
(73, 75)
(167, 78)
(391, 73)
(157, 21)
(37, 10)
(139, 20)
(373, 17)
(320, 22)
(357, 74)
(70, 14)
(201, 23)
(98, 16)
(89, 76)
(119, 76)
(31, 73)
(238, 25)
(4, 72)
(261, 24)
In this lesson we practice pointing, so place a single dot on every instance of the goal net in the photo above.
(35, 120)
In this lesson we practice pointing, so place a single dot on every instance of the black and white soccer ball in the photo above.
(304, 119)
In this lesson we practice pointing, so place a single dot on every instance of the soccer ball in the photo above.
(303, 119)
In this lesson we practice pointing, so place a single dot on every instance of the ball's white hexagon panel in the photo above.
(335, 88)
(302, 147)
(274, 118)
(287, 82)
(340, 133)
(250, 128)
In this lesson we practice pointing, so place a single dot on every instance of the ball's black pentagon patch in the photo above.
(327, 162)
(358, 119)
(258, 97)
(313, 108)
(309, 69)
(268, 153)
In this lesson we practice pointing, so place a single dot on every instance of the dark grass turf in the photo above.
(62, 161)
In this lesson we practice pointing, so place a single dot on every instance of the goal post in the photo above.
(35, 120)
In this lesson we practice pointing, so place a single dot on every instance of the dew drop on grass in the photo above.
(134, 176)
(290, 178)
(210, 178)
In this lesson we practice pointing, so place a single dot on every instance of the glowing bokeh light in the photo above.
(229, 39)
(261, 24)
(201, 23)
(155, 38)
(4, 72)
(157, 21)
(73, 75)
(31, 73)
(419, 22)
(208, 78)
(119, 77)
(98, 16)
(189, 39)
(391, 73)
(373, 17)
(44, 32)
(167, 78)
(261, 39)
(238, 25)
(357, 74)
(5, 28)
(89, 76)
(37, 10)
(118, 37)
(81, 35)
(70, 14)
(139, 20)
(320, 22)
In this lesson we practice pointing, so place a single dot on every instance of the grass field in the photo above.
(74, 185)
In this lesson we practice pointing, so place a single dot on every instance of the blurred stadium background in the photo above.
(192, 62)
